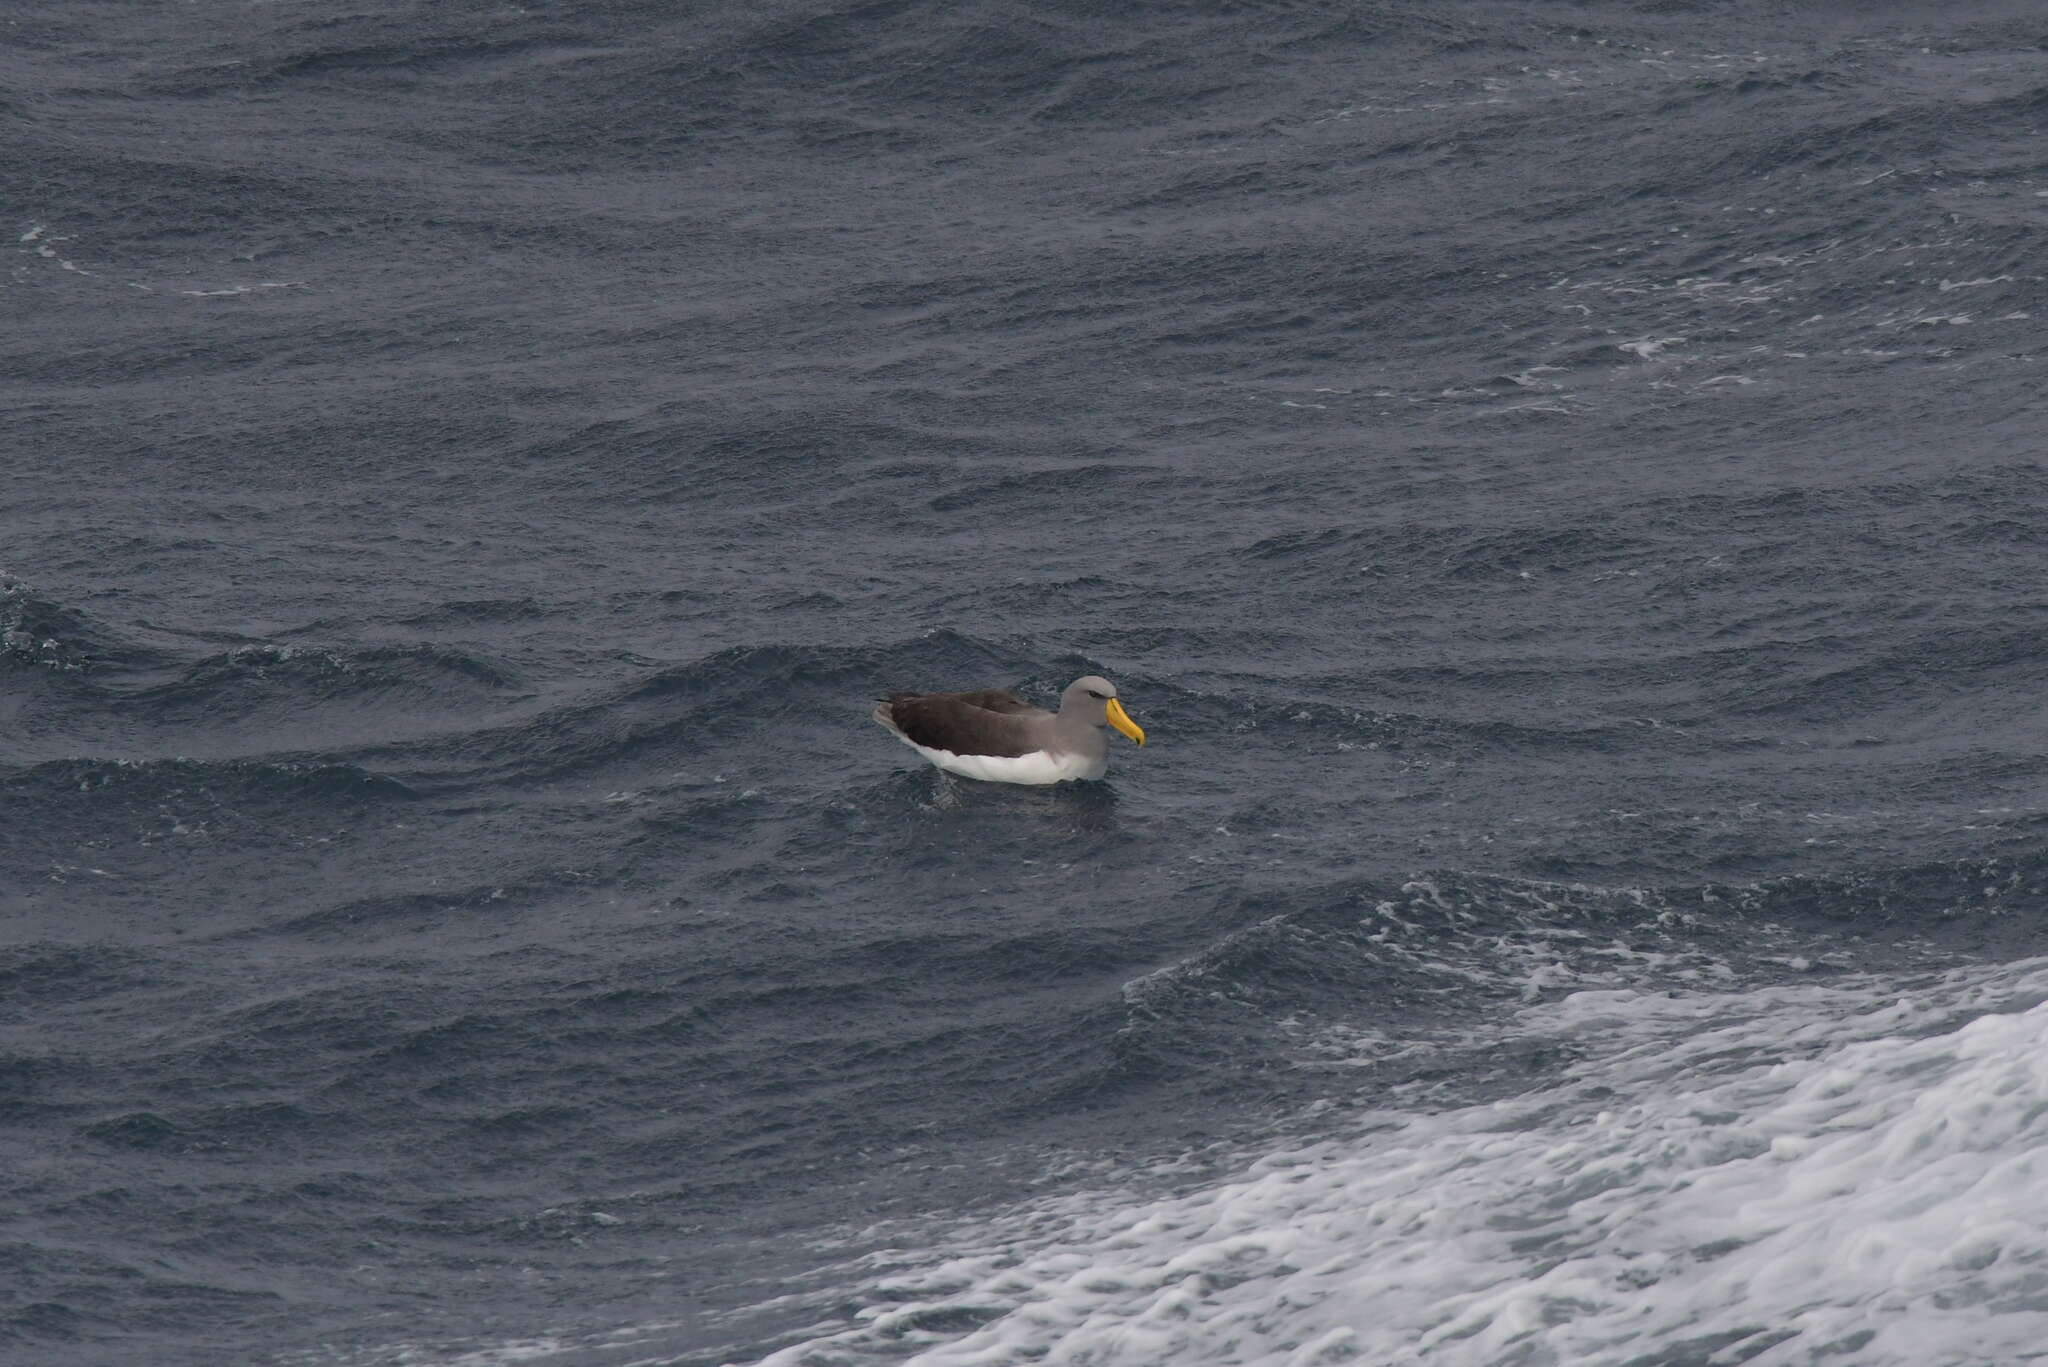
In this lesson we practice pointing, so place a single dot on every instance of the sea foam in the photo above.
(1820, 1173)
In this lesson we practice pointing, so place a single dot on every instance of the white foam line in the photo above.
(1647, 348)
(244, 289)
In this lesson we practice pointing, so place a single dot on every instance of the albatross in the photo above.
(996, 735)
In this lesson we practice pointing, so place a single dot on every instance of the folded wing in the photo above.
(991, 722)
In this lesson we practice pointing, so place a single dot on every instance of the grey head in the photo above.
(1091, 701)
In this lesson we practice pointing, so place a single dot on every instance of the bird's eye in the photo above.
(1093, 694)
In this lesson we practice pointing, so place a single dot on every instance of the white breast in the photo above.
(1040, 766)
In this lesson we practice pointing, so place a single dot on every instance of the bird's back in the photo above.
(986, 722)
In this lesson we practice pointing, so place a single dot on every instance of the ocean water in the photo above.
(1560, 484)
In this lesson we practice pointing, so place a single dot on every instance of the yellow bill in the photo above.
(1121, 720)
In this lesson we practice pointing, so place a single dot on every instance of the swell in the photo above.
(37, 632)
(82, 686)
(687, 712)
(124, 831)
(1416, 982)
(278, 680)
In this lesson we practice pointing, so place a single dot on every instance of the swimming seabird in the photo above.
(994, 734)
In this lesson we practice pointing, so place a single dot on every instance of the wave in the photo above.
(688, 711)
(1407, 983)
(152, 668)
(68, 812)
(38, 632)
(1606, 1125)
(1825, 1169)
(282, 683)
(69, 972)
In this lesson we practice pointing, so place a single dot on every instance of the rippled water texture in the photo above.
(1559, 485)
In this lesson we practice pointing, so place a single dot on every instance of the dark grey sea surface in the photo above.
(1567, 474)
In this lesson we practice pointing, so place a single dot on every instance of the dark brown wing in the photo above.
(992, 700)
(984, 723)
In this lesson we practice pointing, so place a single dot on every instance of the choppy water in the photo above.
(1561, 486)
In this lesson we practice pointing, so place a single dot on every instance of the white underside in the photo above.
(1040, 766)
